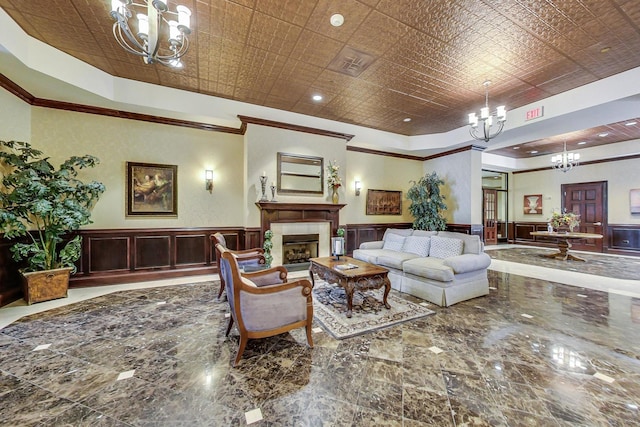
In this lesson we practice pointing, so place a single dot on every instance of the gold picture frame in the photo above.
(384, 202)
(152, 189)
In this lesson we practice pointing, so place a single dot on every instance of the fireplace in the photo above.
(298, 248)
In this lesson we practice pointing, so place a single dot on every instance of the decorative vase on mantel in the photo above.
(334, 196)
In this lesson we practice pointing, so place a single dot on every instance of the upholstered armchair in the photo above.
(264, 303)
(247, 257)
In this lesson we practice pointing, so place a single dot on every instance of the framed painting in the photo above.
(383, 202)
(533, 204)
(634, 200)
(152, 189)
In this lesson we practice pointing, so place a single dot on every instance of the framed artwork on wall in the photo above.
(152, 189)
(383, 202)
(533, 204)
(634, 200)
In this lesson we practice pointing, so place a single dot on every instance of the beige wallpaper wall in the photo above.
(378, 173)
(15, 118)
(116, 141)
(621, 176)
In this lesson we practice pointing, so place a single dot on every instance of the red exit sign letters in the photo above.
(534, 113)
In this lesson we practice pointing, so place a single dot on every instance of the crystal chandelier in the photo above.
(146, 42)
(487, 119)
(565, 161)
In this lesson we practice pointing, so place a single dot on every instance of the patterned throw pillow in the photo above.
(442, 247)
(393, 242)
(417, 245)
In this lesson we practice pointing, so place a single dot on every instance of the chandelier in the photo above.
(146, 42)
(565, 161)
(487, 117)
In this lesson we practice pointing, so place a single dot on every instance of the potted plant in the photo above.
(44, 204)
(427, 203)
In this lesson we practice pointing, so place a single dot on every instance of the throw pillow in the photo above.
(393, 242)
(417, 245)
(442, 247)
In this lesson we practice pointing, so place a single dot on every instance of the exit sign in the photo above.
(534, 113)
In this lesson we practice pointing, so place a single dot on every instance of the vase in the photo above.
(334, 197)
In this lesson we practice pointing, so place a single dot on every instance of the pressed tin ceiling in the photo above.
(425, 60)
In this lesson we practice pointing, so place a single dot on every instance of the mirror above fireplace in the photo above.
(300, 174)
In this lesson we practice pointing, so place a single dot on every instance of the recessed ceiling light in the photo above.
(336, 20)
(582, 142)
(605, 49)
(317, 97)
(630, 123)
(406, 119)
(534, 152)
(516, 148)
(603, 134)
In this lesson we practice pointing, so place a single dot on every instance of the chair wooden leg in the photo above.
(243, 344)
(221, 289)
(309, 339)
(229, 326)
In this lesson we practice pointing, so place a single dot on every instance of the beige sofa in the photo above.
(441, 267)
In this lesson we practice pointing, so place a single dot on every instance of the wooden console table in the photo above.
(564, 243)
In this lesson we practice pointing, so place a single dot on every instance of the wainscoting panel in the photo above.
(191, 250)
(152, 252)
(107, 254)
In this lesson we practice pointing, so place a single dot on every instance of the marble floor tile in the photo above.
(496, 368)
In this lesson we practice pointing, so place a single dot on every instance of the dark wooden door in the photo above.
(589, 199)
(489, 216)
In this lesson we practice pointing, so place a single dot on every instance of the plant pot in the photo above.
(39, 286)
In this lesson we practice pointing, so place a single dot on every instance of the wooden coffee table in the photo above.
(364, 276)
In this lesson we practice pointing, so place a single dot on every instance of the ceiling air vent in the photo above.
(351, 62)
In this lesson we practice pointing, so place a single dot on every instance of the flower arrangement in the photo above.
(333, 179)
(567, 219)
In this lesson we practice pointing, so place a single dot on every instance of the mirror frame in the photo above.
(284, 158)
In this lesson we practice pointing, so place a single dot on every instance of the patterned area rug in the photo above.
(596, 264)
(369, 314)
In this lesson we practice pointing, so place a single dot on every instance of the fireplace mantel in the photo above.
(298, 212)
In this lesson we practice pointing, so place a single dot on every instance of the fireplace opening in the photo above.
(298, 248)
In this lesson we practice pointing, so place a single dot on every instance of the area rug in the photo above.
(600, 265)
(369, 314)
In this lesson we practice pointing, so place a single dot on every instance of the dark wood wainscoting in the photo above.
(621, 239)
(133, 255)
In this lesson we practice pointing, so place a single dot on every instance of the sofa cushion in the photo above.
(472, 242)
(394, 259)
(368, 255)
(399, 231)
(443, 247)
(393, 242)
(417, 245)
(430, 268)
(468, 262)
(424, 233)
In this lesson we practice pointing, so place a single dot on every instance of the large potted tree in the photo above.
(44, 205)
(427, 204)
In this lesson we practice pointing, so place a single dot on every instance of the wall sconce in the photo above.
(358, 187)
(208, 179)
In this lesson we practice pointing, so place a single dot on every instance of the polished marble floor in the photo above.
(534, 352)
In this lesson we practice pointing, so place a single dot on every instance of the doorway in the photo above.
(494, 206)
(589, 200)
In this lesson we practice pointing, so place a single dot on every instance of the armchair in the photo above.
(247, 257)
(264, 303)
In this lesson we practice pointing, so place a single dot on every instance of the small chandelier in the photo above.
(565, 161)
(146, 42)
(487, 119)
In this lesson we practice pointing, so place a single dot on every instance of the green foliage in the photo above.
(49, 202)
(268, 244)
(427, 204)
